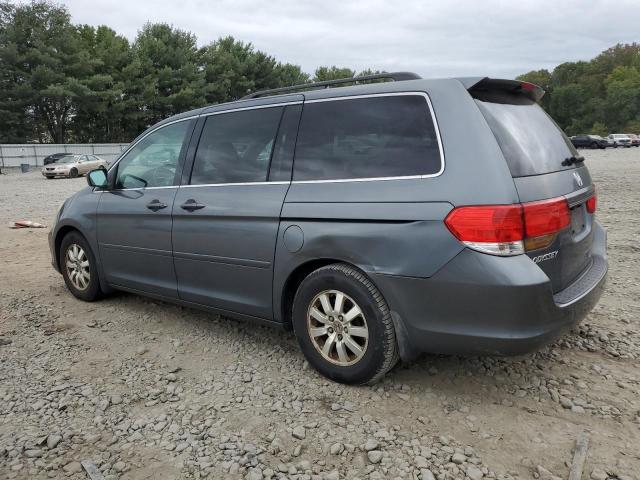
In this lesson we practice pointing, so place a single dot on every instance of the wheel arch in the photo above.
(293, 281)
(60, 234)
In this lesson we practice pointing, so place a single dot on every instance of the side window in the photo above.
(236, 147)
(386, 136)
(283, 153)
(154, 160)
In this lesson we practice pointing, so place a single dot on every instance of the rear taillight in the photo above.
(591, 203)
(509, 229)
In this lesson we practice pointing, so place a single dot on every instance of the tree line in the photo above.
(600, 96)
(61, 82)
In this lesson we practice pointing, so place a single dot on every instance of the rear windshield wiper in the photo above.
(572, 161)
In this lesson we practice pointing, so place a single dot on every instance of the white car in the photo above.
(620, 140)
(72, 166)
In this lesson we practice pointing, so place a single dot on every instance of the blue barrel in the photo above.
(24, 167)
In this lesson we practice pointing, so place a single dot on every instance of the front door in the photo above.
(227, 214)
(134, 215)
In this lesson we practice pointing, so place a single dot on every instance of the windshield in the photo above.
(67, 159)
(530, 140)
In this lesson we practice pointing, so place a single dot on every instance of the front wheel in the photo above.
(78, 266)
(73, 173)
(344, 326)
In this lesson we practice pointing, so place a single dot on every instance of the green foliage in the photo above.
(62, 82)
(600, 128)
(601, 96)
(332, 73)
(233, 69)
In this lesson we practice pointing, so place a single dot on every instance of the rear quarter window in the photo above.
(370, 137)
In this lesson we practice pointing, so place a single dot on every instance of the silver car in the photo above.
(71, 166)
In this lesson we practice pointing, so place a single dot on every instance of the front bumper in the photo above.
(55, 173)
(52, 249)
(482, 304)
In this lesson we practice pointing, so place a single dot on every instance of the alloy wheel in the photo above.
(337, 327)
(77, 265)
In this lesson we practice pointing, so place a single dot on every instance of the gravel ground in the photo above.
(143, 389)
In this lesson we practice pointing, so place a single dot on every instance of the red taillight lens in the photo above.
(546, 216)
(591, 203)
(496, 223)
(508, 229)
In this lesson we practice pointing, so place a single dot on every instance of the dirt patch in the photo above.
(149, 390)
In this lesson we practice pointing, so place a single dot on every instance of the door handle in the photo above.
(156, 205)
(191, 205)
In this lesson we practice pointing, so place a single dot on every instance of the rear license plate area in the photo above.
(577, 219)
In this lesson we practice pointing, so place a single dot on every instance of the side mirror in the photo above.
(97, 178)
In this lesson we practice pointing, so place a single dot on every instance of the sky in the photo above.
(496, 38)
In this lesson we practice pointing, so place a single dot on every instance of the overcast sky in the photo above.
(499, 38)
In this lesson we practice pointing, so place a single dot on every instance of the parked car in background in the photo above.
(386, 237)
(620, 140)
(73, 165)
(55, 157)
(589, 141)
(635, 139)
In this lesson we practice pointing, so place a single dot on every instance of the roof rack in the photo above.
(395, 76)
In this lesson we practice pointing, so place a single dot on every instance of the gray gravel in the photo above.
(148, 390)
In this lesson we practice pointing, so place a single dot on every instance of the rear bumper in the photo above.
(482, 304)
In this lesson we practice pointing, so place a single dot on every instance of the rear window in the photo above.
(371, 137)
(530, 140)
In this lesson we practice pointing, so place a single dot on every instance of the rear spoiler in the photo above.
(486, 84)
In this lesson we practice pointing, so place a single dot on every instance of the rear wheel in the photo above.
(78, 266)
(344, 326)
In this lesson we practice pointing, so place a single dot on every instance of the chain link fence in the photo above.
(33, 154)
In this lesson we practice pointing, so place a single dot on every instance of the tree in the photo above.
(600, 128)
(42, 62)
(623, 97)
(233, 69)
(103, 114)
(332, 73)
(164, 77)
(599, 96)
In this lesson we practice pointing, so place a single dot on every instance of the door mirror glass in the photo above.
(97, 178)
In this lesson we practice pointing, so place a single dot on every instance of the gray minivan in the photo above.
(377, 220)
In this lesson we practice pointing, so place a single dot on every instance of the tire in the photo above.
(69, 251)
(379, 351)
(594, 145)
(73, 173)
